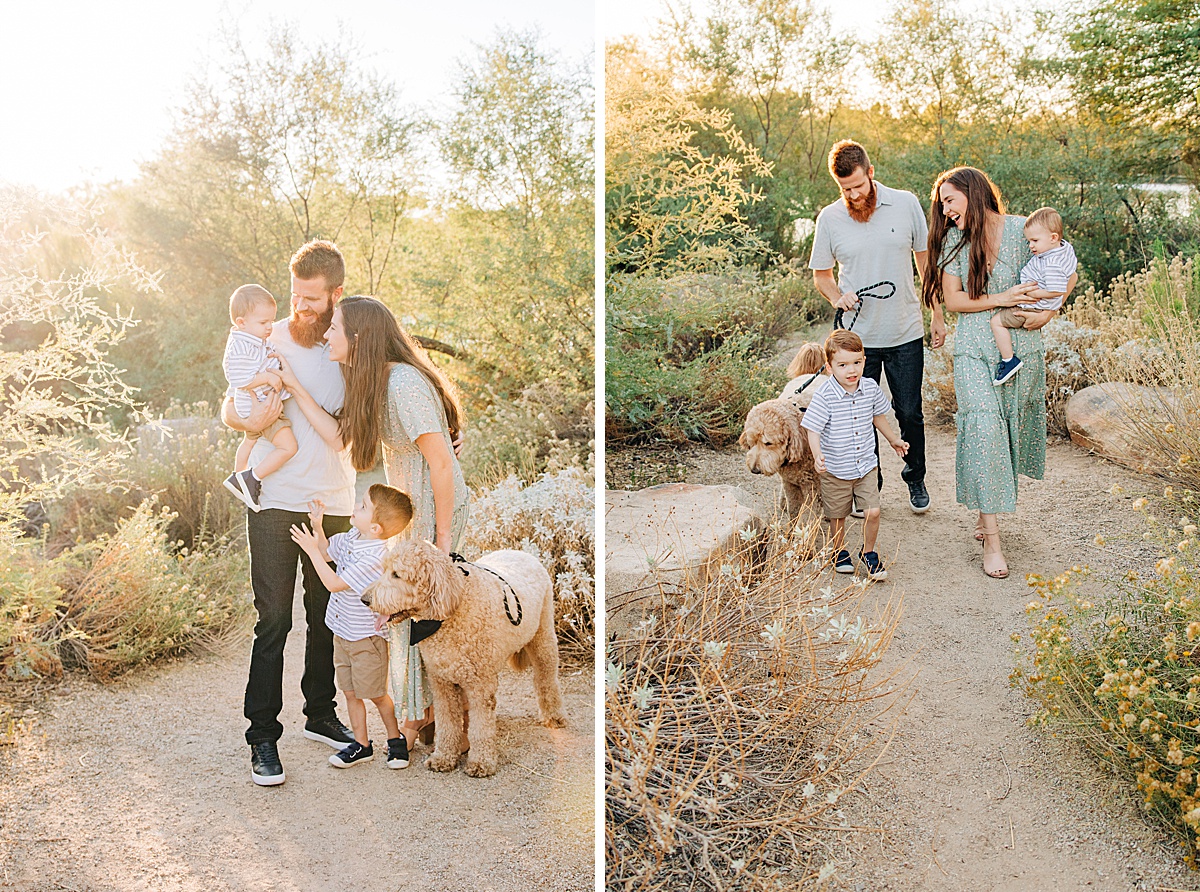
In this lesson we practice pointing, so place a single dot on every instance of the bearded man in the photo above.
(873, 234)
(316, 472)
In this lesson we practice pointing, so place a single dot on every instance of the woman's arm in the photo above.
(441, 478)
(323, 423)
(955, 297)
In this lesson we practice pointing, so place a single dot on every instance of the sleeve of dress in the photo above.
(415, 403)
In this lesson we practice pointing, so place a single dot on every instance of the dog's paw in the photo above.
(480, 767)
(438, 762)
(555, 721)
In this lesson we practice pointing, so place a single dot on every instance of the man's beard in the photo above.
(309, 334)
(861, 213)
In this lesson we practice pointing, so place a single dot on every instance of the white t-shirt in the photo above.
(316, 471)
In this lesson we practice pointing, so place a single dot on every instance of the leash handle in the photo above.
(868, 291)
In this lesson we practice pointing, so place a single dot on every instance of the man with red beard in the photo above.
(873, 234)
(317, 471)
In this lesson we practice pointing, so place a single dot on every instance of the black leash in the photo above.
(508, 589)
(863, 292)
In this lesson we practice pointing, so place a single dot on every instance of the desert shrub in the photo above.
(117, 602)
(1121, 673)
(553, 519)
(735, 723)
(686, 356)
(547, 428)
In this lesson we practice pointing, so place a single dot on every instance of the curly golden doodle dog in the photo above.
(478, 634)
(777, 445)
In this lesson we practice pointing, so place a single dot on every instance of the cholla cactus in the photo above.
(554, 519)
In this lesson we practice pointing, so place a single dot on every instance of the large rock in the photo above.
(1100, 419)
(658, 538)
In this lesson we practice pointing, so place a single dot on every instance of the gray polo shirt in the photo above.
(879, 250)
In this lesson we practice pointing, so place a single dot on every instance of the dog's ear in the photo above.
(797, 438)
(445, 584)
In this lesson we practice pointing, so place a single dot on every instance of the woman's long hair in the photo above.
(375, 340)
(982, 196)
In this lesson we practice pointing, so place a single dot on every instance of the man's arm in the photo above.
(827, 287)
(260, 417)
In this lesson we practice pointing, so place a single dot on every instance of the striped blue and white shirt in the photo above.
(246, 356)
(1051, 270)
(359, 563)
(846, 423)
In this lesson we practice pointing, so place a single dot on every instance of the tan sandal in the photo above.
(979, 529)
(997, 567)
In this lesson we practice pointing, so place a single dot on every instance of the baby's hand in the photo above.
(901, 448)
(276, 383)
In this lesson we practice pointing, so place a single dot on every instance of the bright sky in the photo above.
(89, 86)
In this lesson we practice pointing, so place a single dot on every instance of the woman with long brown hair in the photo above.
(976, 252)
(396, 397)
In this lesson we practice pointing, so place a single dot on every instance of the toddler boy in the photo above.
(841, 421)
(360, 652)
(1050, 268)
(252, 374)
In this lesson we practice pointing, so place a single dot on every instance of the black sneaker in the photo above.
(352, 755)
(330, 732)
(918, 497)
(1006, 369)
(843, 563)
(246, 487)
(397, 752)
(875, 568)
(265, 768)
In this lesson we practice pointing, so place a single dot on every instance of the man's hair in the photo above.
(393, 509)
(1048, 217)
(840, 339)
(846, 156)
(246, 298)
(320, 258)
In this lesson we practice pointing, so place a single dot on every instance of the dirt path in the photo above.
(146, 786)
(968, 797)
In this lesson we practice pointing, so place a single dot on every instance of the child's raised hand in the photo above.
(316, 512)
(901, 448)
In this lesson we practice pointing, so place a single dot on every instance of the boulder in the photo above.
(1099, 418)
(658, 538)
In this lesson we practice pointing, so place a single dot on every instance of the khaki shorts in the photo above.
(268, 433)
(1009, 318)
(361, 666)
(836, 493)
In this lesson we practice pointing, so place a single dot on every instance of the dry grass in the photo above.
(736, 722)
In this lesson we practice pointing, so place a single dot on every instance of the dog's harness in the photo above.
(463, 563)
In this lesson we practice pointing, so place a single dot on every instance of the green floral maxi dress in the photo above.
(1001, 430)
(413, 409)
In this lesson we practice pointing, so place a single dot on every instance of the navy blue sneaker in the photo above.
(352, 755)
(918, 497)
(1006, 369)
(872, 563)
(397, 752)
(843, 563)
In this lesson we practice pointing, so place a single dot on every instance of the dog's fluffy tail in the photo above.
(520, 661)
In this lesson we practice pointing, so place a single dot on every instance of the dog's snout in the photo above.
(755, 470)
(366, 598)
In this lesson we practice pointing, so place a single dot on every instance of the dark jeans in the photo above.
(904, 366)
(273, 557)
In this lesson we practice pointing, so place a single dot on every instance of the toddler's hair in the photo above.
(846, 157)
(1048, 217)
(245, 299)
(393, 508)
(809, 360)
(319, 258)
(840, 339)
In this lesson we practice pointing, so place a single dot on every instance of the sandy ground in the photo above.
(145, 785)
(967, 796)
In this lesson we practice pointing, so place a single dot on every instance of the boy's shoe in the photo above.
(265, 768)
(875, 568)
(352, 755)
(246, 487)
(843, 563)
(330, 732)
(397, 752)
(918, 497)
(1006, 369)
